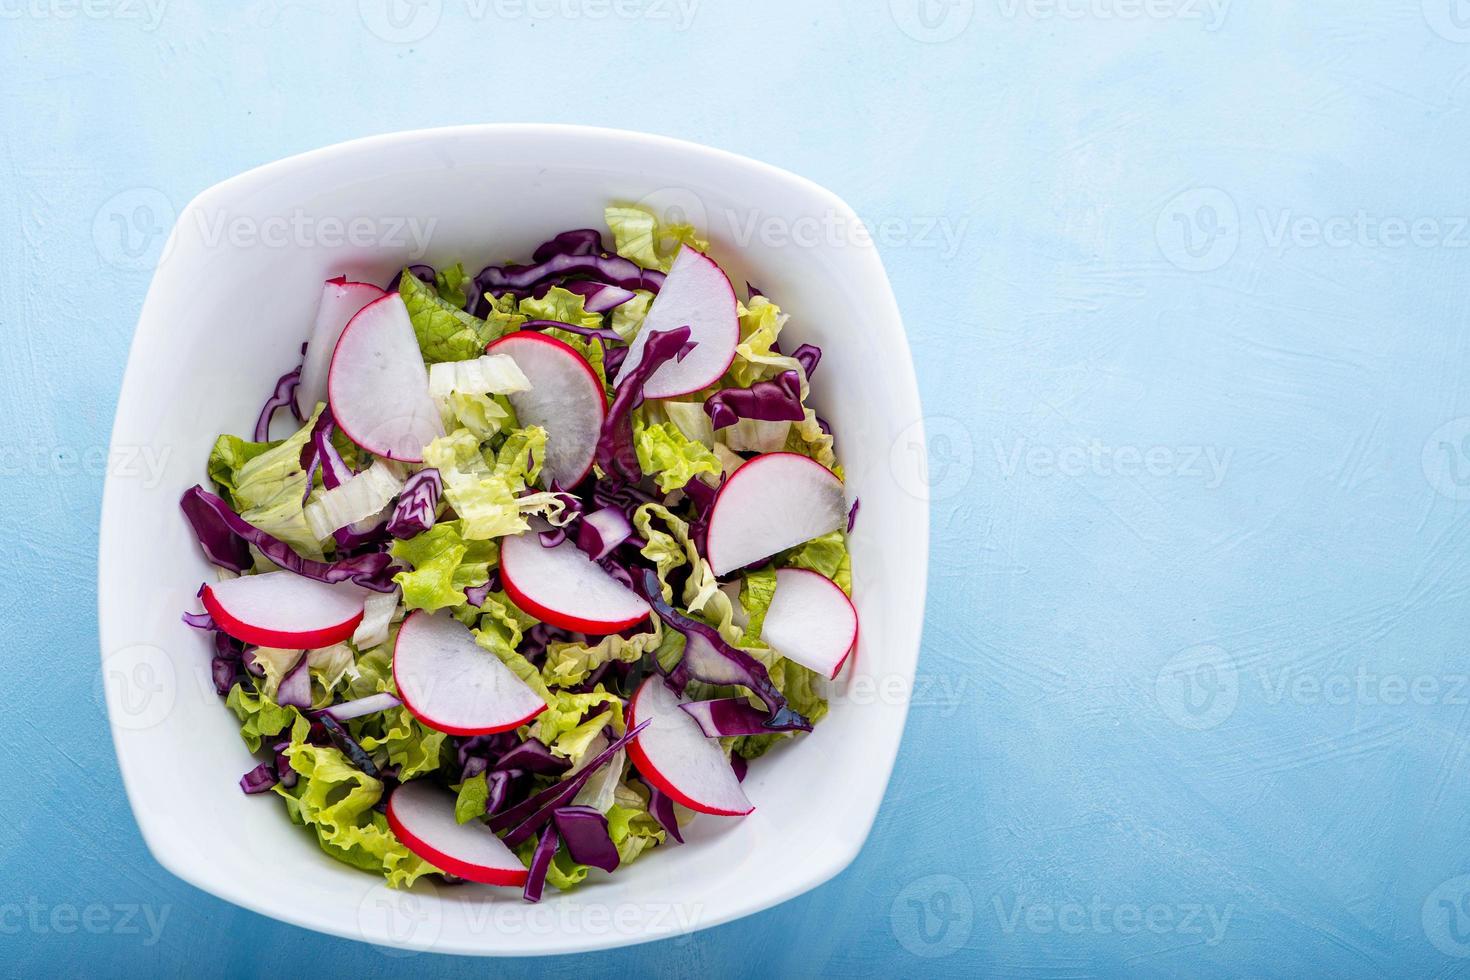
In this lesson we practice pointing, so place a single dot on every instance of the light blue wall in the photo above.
(1204, 716)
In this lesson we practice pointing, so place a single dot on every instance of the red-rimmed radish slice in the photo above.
(452, 684)
(378, 386)
(422, 817)
(674, 755)
(339, 303)
(566, 399)
(811, 621)
(565, 588)
(285, 610)
(696, 294)
(774, 502)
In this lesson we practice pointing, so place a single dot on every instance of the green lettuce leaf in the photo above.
(444, 331)
(673, 459)
(563, 874)
(444, 564)
(229, 454)
(755, 360)
(756, 591)
(484, 498)
(638, 235)
(569, 664)
(260, 717)
(335, 799)
(473, 798)
(412, 746)
(267, 485)
(452, 283)
(826, 554)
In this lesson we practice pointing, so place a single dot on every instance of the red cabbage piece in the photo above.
(598, 297)
(605, 334)
(226, 537)
(777, 400)
(540, 864)
(707, 657)
(615, 451)
(418, 502)
(258, 780)
(284, 396)
(589, 842)
(852, 514)
(740, 764)
(601, 531)
(295, 688)
(578, 241)
(200, 621)
(532, 755)
(808, 355)
(612, 269)
(727, 717)
(523, 820)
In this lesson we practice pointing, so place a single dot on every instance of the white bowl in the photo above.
(230, 304)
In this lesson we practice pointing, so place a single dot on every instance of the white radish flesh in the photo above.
(565, 398)
(674, 755)
(772, 503)
(378, 386)
(422, 817)
(810, 621)
(285, 610)
(565, 588)
(339, 303)
(452, 684)
(696, 294)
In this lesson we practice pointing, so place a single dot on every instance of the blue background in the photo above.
(1185, 286)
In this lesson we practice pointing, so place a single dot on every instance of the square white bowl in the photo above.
(229, 305)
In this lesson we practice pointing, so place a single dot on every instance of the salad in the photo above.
(553, 552)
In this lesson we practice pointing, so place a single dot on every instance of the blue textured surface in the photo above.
(1185, 286)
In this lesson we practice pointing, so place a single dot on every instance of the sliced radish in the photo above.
(565, 588)
(339, 303)
(378, 386)
(696, 294)
(772, 503)
(566, 399)
(283, 609)
(422, 817)
(673, 754)
(452, 684)
(811, 621)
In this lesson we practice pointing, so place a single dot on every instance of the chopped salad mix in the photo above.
(553, 552)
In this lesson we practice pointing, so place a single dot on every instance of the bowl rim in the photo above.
(899, 361)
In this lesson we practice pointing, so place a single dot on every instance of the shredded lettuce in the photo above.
(336, 799)
(444, 563)
(267, 486)
(444, 330)
(826, 554)
(640, 236)
(665, 452)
